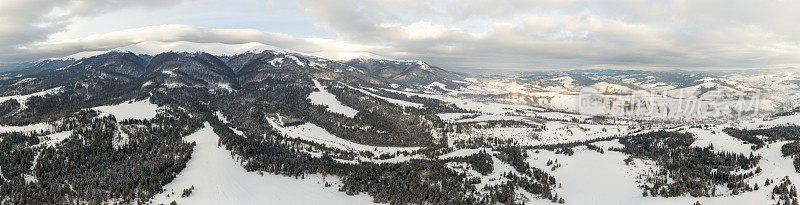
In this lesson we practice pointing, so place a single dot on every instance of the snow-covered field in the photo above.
(219, 179)
(142, 109)
(25, 128)
(793, 119)
(53, 139)
(22, 99)
(722, 142)
(323, 97)
(314, 133)
(589, 177)
(554, 132)
(390, 100)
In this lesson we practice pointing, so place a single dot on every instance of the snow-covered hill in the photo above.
(217, 179)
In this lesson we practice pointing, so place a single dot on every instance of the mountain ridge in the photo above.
(197, 63)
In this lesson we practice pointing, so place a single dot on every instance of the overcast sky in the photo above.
(456, 35)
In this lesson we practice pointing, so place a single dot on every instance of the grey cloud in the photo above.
(512, 34)
(565, 34)
(173, 33)
(28, 21)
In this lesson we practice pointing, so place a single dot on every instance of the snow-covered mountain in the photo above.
(628, 94)
(408, 72)
(206, 63)
(248, 123)
(156, 47)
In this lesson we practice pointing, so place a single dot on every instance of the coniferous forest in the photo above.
(63, 146)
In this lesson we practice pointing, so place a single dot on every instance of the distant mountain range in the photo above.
(217, 66)
(227, 66)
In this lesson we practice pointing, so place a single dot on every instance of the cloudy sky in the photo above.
(458, 35)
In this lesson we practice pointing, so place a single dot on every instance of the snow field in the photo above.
(219, 179)
(25, 128)
(323, 97)
(589, 177)
(390, 100)
(141, 110)
(22, 99)
(314, 133)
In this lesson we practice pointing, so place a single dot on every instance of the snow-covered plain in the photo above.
(219, 179)
(142, 109)
(589, 177)
(793, 119)
(323, 97)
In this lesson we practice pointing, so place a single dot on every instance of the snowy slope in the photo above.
(22, 99)
(610, 181)
(25, 128)
(314, 133)
(390, 100)
(219, 179)
(52, 140)
(323, 97)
